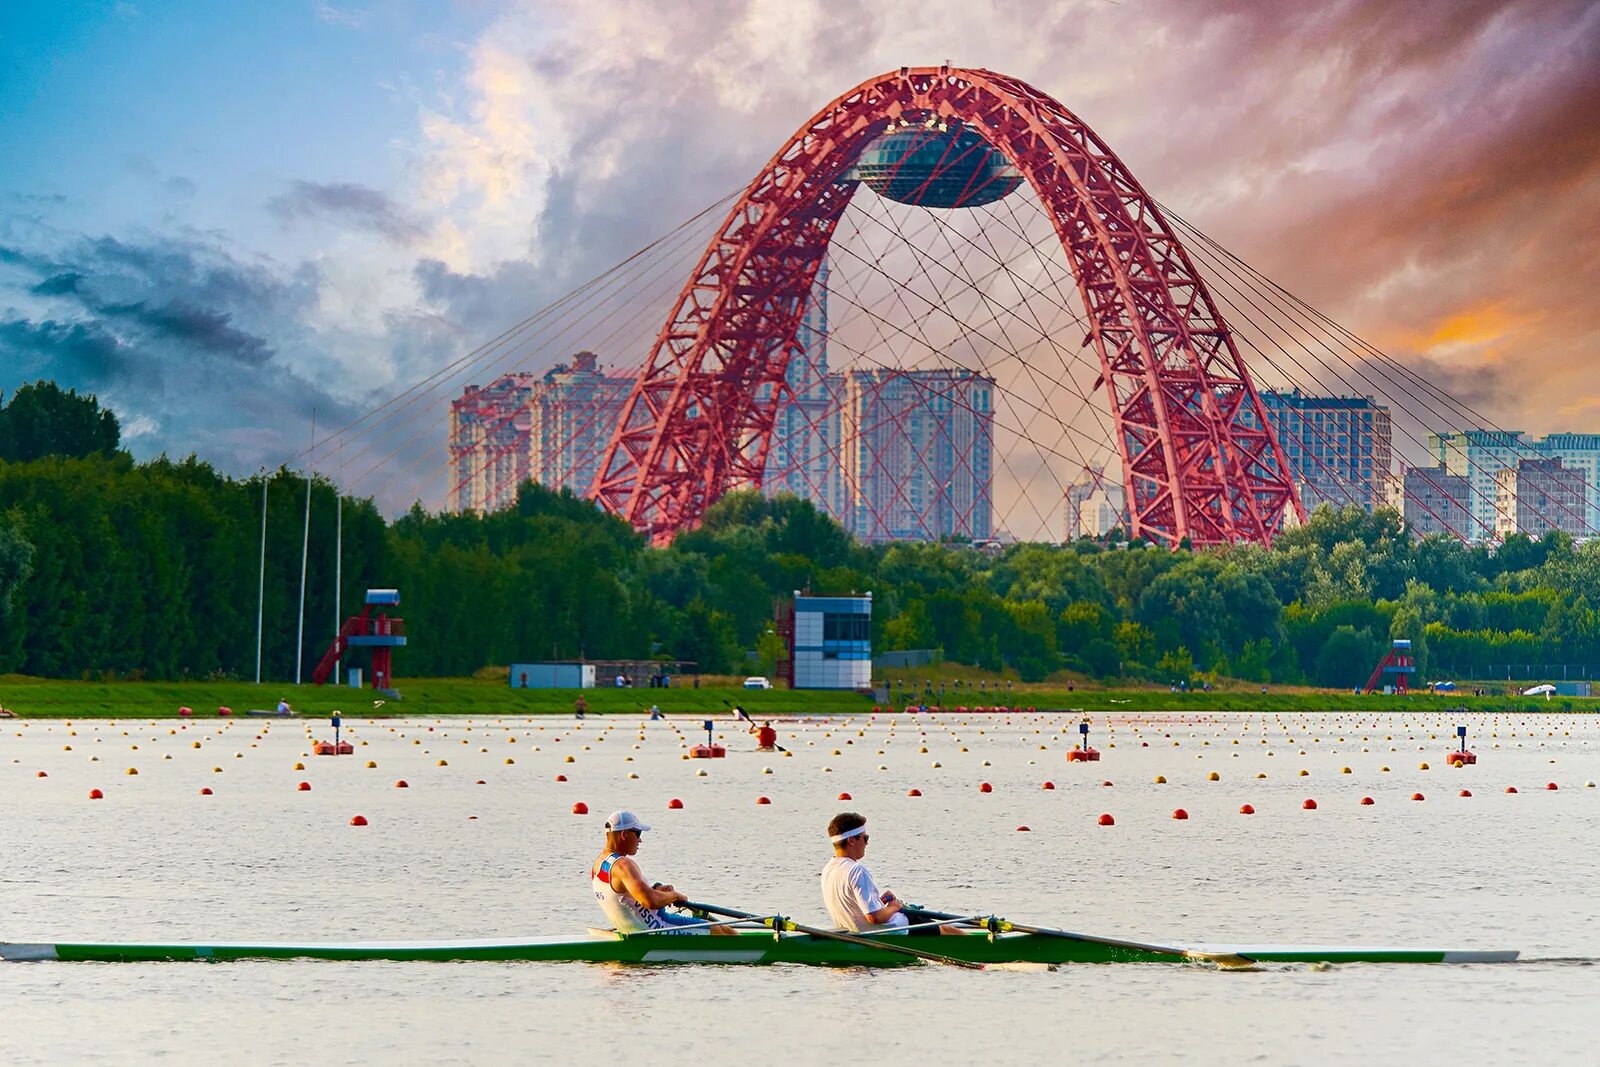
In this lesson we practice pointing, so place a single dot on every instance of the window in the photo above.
(845, 627)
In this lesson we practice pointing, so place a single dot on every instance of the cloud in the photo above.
(58, 284)
(70, 352)
(347, 17)
(172, 333)
(347, 202)
(1428, 173)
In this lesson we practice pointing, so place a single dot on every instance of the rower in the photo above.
(631, 903)
(852, 898)
(766, 737)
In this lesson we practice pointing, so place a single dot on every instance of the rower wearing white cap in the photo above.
(852, 898)
(631, 903)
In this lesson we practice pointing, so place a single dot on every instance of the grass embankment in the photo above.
(44, 698)
(47, 698)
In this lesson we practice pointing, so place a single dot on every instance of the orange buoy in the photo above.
(304, 787)
(95, 794)
(402, 784)
(205, 790)
(1107, 820)
(561, 777)
(1180, 814)
(1024, 829)
(985, 787)
(1416, 796)
(41, 774)
(674, 804)
(1106, 784)
(1247, 809)
(1511, 789)
(1367, 801)
(1550, 785)
(1048, 785)
(580, 808)
(846, 796)
(914, 793)
(763, 800)
(1464, 793)
(1309, 804)
(358, 820)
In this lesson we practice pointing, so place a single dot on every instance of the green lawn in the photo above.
(43, 698)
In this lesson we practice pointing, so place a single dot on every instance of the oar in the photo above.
(778, 921)
(752, 722)
(1228, 960)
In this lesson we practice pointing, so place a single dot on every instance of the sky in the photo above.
(223, 218)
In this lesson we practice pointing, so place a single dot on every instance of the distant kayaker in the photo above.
(853, 899)
(740, 715)
(766, 737)
(631, 903)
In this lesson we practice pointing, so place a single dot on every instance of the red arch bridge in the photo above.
(1003, 318)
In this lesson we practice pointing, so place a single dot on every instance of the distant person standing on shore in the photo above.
(283, 706)
(580, 707)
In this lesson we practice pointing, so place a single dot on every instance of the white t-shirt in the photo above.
(849, 894)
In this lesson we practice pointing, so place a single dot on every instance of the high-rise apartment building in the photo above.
(574, 410)
(919, 453)
(1536, 496)
(552, 429)
(805, 456)
(1095, 505)
(489, 443)
(1580, 453)
(1338, 447)
(1480, 456)
(1432, 500)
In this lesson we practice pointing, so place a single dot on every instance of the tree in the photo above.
(42, 420)
(1347, 657)
(16, 560)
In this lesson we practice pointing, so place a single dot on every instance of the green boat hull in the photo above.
(744, 947)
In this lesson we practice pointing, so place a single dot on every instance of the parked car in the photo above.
(757, 683)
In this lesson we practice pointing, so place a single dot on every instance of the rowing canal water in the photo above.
(483, 843)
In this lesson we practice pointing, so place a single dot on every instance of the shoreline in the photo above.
(38, 698)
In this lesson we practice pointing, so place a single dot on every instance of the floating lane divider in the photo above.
(779, 923)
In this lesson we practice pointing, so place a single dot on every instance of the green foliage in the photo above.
(41, 420)
(116, 568)
(16, 561)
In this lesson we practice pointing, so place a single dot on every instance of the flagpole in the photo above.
(305, 550)
(261, 576)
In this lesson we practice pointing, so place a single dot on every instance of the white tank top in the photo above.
(626, 916)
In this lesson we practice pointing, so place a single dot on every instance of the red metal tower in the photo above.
(1199, 459)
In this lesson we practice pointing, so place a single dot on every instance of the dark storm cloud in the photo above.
(349, 202)
(188, 325)
(172, 333)
(75, 352)
(58, 284)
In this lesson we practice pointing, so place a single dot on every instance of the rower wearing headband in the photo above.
(852, 898)
(632, 904)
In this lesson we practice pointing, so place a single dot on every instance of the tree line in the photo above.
(116, 568)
